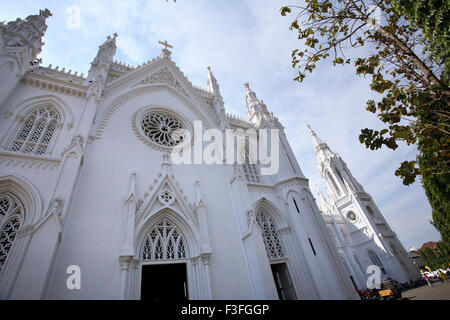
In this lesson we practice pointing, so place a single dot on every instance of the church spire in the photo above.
(101, 63)
(315, 138)
(213, 86)
(323, 152)
(257, 110)
(250, 97)
(21, 42)
(333, 170)
(27, 33)
(217, 103)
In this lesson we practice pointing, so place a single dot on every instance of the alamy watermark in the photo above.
(73, 281)
(74, 19)
(374, 279)
(251, 146)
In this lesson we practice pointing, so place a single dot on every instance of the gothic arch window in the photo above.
(36, 131)
(164, 242)
(376, 260)
(333, 183)
(11, 217)
(340, 175)
(338, 172)
(269, 233)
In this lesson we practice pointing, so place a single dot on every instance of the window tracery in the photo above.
(164, 242)
(11, 216)
(270, 235)
(36, 132)
(163, 129)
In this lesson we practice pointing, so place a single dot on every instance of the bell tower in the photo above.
(334, 171)
(362, 226)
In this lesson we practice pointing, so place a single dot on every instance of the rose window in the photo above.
(166, 197)
(163, 129)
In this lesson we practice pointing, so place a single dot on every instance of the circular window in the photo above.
(351, 216)
(166, 197)
(163, 129)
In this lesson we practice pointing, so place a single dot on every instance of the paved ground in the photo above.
(437, 291)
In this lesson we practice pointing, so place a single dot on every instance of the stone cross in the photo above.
(165, 44)
(165, 52)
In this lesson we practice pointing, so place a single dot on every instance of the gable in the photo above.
(160, 73)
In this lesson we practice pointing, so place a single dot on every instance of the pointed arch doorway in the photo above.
(167, 263)
(164, 264)
(276, 254)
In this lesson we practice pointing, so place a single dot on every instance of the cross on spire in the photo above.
(165, 52)
(165, 44)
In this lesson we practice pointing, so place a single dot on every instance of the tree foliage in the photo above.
(404, 48)
(436, 258)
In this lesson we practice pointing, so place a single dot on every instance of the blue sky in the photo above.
(245, 41)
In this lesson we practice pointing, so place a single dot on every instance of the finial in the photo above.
(246, 85)
(165, 52)
(310, 130)
(46, 13)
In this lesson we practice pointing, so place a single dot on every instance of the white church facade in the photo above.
(88, 187)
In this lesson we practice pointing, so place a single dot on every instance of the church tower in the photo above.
(258, 114)
(360, 231)
(20, 44)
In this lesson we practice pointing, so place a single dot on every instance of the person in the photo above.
(443, 276)
(426, 279)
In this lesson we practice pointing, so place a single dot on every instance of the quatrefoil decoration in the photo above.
(166, 197)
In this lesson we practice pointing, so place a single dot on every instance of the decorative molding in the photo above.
(56, 206)
(23, 160)
(344, 200)
(112, 107)
(44, 81)
(25, 231)
(260, 188)
(165, 181)
(163, 76)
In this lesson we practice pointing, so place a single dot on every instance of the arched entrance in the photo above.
(167, 264)
(163, 257)
(275, 252)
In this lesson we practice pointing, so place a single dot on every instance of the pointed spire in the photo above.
(131, 196)
(198, 193)
(26, 33)
(213, 86)
(250, 95)
(108, 48)
(315, 138)
(110, 39)
(102, 61)
(328, 206)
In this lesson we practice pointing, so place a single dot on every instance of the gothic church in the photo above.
(87, 187)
